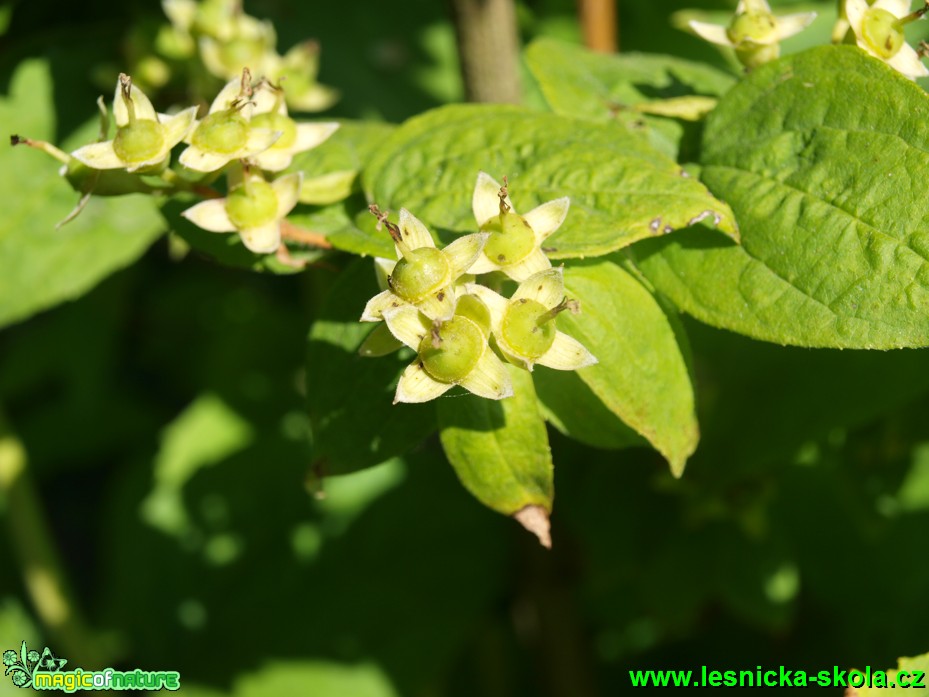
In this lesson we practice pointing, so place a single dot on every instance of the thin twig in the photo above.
(293, 233)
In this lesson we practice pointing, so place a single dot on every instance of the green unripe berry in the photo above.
(420, 273)
(474, 309)
(252, 205)
(223, 132)
(511, 239)
(278, 122)
(461, 346)
(139, 140)
(753, 27)
(881, 32)
(522, 330)
(755, 55)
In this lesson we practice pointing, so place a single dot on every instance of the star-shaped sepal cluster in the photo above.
(524, 325)
(143, 139)
(450, 352)
(423, 276)
(514, 245)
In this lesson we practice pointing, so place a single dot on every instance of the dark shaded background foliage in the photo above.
(796, 537)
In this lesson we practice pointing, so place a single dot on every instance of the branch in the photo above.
(600, 24)
(488, 49)
(293, 233)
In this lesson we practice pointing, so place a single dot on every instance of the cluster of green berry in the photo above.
(247, 135)
(226, 40)
(463, 331)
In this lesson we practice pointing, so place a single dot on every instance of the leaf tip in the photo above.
(535, 519)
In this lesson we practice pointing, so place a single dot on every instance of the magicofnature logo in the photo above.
(43, 671)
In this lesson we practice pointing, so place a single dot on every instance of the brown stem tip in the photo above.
(535, 520)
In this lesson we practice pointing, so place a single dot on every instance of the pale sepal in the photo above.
(142, 106)
(489, 378)
(309, 135)
(854, 12)
(439, 305)
(898, 8)
(210, 215)
(259, 140)
(483, 264)
(272, 160)
(789, 25)
(99, 156)
(713, 33)
(407, 324)
(376, 306)
(263, 239)
(228, 95)
(287, 189)
(382, 270)
(545, 287)
(548, 217)
(416, 385)
(535, 262)
(485, 201)
(202, 161)
(566, 353)
(179, 126)
(463, 252)
(908, 63)
(414, 233)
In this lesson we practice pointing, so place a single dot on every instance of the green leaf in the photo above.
(914, 667)
(207, 432)
(621, 189)
(322, 678)
(642, 375)
(499, 449)
(41, 266)
(571, 406)
(355, 423)
(601, 87)
(822, 157)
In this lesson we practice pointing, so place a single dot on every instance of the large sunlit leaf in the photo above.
(642, 375)
(41, 265)
(621, 188)
(823, 158)
(499, 449)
